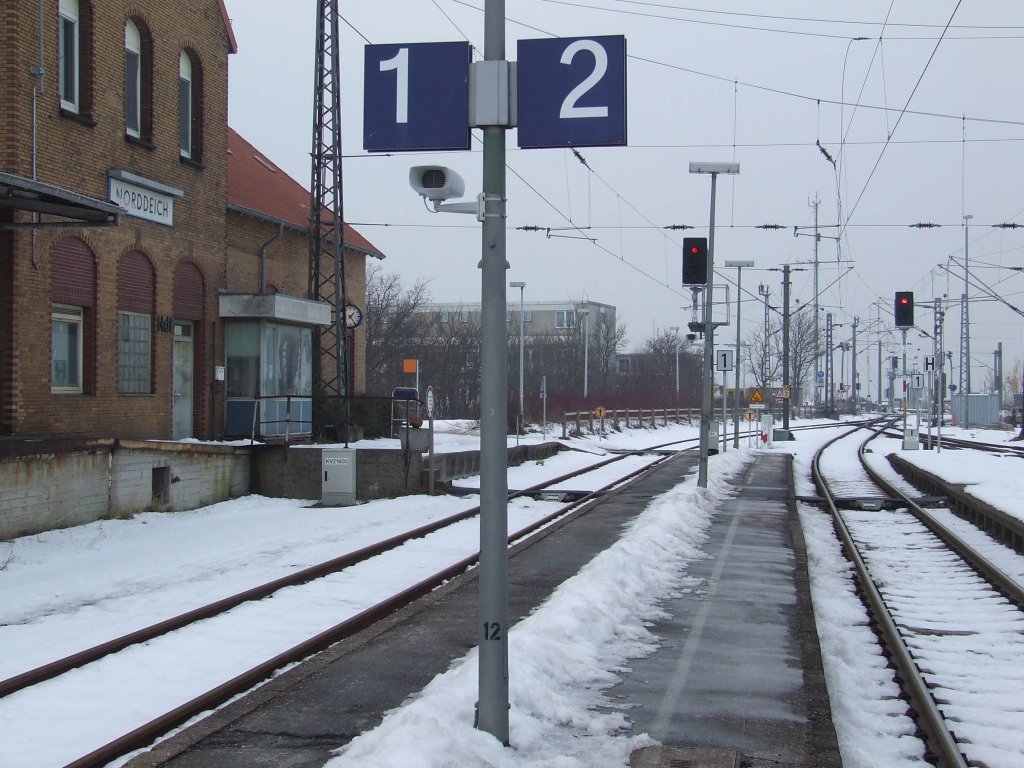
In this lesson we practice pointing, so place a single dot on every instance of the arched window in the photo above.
(74, 56)
(185, 103)
(69, 53)
(72, 316)
(190, 106)
(132, 79)
(136, 283)
(138, 80)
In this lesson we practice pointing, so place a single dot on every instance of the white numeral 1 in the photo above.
(400, 63)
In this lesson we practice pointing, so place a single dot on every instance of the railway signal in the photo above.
(695, 261)
(903, 309)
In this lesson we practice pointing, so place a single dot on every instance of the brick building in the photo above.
(125, 220)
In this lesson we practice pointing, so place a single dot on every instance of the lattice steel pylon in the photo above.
(326, 209)
(830, 398)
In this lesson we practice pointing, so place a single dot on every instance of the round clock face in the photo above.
(353, 316)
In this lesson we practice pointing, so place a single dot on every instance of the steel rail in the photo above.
(147, 733)
(937, 731)
(63, 665)
(981, 564)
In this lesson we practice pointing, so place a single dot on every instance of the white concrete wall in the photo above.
(56, 490)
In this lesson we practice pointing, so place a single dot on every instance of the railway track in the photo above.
(215, 636)
(951, 621)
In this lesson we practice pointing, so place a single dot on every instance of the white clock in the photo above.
(353, 316)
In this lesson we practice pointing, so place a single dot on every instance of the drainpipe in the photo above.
(37, 90)
(263, 255)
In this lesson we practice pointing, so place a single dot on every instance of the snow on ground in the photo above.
(87, 583)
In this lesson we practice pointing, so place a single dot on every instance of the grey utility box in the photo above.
(339, 477)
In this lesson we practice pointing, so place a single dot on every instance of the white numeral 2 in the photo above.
(569, 108)
(400, 63)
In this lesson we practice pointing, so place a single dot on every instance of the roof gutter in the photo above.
(242, 210)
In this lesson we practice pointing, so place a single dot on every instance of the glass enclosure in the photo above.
(269, 379)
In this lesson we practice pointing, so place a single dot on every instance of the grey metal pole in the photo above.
(708, 376)
(965, 326)
(708, 379)
(675, 332)
(725, 422)
(853, 366)
(735, 391)
(586, 350)
(817, 332)
(905, 388)
(522, 341)
(492, 707)
(940, 370)
(785, 347)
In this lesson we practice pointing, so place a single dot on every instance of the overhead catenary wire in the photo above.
(917, 84)
(765, 88)
(750, 27)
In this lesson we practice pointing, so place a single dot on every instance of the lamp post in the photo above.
(736, 391)
(707, 379)
(522, 339)
(675, 332)
(586, 349)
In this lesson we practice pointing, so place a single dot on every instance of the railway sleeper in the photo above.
(872, 503)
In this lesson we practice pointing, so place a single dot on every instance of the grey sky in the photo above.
(726, 83)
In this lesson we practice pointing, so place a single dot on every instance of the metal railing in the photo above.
(624, 418)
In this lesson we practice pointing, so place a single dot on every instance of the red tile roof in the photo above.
(256, 184)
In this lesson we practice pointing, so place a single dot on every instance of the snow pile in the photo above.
(563, 657)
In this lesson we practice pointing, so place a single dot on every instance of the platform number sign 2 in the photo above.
(572, 92)
(416, 96)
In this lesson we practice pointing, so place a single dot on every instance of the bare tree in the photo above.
(394, 326)
(449, 355)
(764, 355)
(801, 353)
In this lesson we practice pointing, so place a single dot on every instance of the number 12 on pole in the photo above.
(416, 96)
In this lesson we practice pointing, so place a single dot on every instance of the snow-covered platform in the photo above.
(738, 667)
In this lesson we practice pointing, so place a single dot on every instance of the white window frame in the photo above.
(73, 316)
(132, 48)
(565, 318)
(69, 46)
(134, 377)
(185, 95)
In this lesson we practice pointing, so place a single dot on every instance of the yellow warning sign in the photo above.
(757, 398)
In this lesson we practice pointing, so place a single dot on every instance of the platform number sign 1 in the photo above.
(572, 92)
(416, 97)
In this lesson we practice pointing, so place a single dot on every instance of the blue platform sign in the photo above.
(416, 97)
(572, 92)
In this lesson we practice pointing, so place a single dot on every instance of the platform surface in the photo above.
(738, 666)
(731, 674)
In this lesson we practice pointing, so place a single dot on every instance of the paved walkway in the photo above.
(739, 666)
